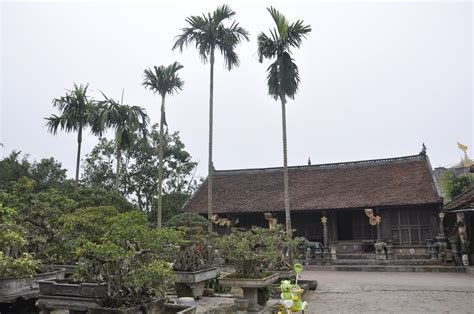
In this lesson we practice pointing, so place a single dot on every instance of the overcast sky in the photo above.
(377, 79)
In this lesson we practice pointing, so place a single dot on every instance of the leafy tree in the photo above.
(163, 80)
(208, 33)
(283, 76)
(12, 168)
(452, 186)
(141, 180)
(189, 220)
(38, 213)
(77, 112)
(48, 173)
(125, 120)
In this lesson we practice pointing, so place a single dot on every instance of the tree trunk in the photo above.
(210, 163)
(160, 167)
(285, 181)
(78, 159)
(117, 174)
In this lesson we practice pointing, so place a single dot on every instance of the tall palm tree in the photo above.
(162, 80)
(125, 120)
(77, 112)
(283, 78)
(208, 33)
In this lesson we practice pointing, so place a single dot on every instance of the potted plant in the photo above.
(122, 271)
(19, 270)
(192, 262)
(251, 252)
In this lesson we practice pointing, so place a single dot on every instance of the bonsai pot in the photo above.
(152, 307)
(250, 287)
(191, 284)
(63, 294)
(13, 288)
(285, 274)
(179, 309)
(70, 269)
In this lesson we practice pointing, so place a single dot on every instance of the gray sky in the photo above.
(378, 79)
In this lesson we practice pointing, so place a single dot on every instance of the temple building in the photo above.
(395, 200)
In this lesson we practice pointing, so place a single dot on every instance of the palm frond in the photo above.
(164, 80)
(208, 33)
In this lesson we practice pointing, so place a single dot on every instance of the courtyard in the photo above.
(395, 292)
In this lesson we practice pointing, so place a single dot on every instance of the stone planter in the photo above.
(191, 284)
(13, 288)
(250, 286)
(285, 274)
(62, 294)
(179, 309)
(152, 307)
(66, 288)
(70, 269)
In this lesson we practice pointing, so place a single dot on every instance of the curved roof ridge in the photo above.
(322, 166)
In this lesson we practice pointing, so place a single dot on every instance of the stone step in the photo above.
(355, 256)
(397, 262)
(389, 268)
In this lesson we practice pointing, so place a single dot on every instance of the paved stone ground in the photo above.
(381, 292)
(377, 292)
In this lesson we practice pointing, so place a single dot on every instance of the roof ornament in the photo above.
(466, 162)
(309, 161)
(272, 222)
(423, 149)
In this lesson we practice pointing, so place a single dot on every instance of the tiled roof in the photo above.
(462, 201)
(361, 184)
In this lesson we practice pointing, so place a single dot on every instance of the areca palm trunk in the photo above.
(117, 174)
(78, 158)
(160, 167)
(285, 180)
(210, 164)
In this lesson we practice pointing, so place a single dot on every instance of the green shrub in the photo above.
(251, 251)
(23, 267)
(189, 220)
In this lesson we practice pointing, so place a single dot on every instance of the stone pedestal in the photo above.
(390, 254)
(249, 287)
(194, 281)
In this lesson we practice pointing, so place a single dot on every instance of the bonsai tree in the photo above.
(251, 251)
(193, 254)
(129, 257)
(14, 262)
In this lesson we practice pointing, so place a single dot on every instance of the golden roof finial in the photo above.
(466, 162)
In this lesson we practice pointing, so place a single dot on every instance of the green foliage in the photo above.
(128, 256)
(209, 33)
(140, 176)
(47, 173)
(452, 186)
(12, 168)
(12, 241)
(250, 251)
(164, 80)
(283, 75)
(93, 197)
(23, 267)
(189, 220)
(38, 213)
